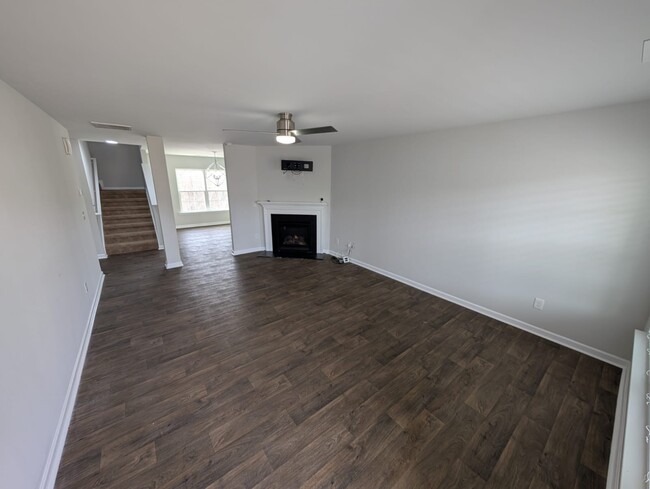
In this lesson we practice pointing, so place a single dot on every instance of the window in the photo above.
(202, 190)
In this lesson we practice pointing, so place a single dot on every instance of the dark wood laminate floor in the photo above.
(246, 372)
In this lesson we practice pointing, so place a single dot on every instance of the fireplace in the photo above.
(319, 210)
(294, 235)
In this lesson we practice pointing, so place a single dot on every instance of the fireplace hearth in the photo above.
(294, 235)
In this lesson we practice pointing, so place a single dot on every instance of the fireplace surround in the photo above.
(318, 209)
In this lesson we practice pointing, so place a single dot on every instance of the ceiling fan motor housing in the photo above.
(285, 125)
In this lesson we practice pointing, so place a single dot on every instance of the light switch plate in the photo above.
(539, 303)
(646, 51)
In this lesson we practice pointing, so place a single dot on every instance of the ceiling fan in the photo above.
(286, 130)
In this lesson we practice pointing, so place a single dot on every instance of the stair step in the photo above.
(112, 199)
(131, 247)
(128, 226)
(128, 236)
(133, 225)
(127, 193)
(120, 202)
(118, 211)
(117, 198)
(127, 217)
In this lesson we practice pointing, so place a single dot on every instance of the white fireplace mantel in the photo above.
(318, 209)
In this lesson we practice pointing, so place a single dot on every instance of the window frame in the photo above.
(206, 192)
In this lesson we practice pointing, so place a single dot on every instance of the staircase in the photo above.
(128, 226)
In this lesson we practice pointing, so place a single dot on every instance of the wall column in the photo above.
(164, 198)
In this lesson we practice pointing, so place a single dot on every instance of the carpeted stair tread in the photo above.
(120, 226)
(131, 247)
(126, 216)
(129, 235)
(126, 212)
(128, 226)
(119, 204)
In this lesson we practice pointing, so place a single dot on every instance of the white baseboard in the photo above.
(247, 250)
(161, 247)
(618, 435)
(554, 337)
(102, 256)
(202, 225)
(56, 450)
(615, 467)
(176, 264)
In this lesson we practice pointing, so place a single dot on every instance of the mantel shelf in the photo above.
(273, 203)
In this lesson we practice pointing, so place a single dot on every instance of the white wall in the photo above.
(254, 173)
(158, 164)
(245, 221)
(81, 151)
(84, 164)
(275, 185)
(551, 207)
(118, 165)
(47, 253)
(192, 219)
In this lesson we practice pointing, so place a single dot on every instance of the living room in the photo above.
(488, 180)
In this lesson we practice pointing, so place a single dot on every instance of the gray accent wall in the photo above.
(553, 207)
(118, 165)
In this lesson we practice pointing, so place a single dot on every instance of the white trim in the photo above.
(161, 247)
(617, 450)
(123, 188)
(319, 209)
(247, 250)
(618, 436)
(102, 256)
(56, 450)
(633, 466)
(554, 337)
(176, 264)
(202, 225)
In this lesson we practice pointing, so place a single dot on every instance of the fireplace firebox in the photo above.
(294, 235)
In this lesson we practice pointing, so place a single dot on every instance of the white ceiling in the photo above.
(372, 68)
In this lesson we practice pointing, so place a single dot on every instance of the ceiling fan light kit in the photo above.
(285, 139)
(286, 132)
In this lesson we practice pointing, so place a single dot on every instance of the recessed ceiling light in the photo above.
(646, 51)
(110, 141)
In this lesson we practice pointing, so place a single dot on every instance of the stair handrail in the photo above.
(98, 201)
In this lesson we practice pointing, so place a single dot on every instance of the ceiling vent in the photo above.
(108, 125)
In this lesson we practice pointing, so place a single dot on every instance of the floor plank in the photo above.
(247, 372)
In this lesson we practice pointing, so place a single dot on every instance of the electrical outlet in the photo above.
(539, 303)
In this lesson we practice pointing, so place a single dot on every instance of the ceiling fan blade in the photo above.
(247, 130)
(298, 140)
(313, 130)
